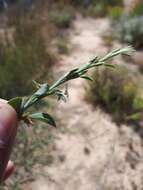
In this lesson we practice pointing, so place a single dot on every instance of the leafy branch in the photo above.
(44, 90)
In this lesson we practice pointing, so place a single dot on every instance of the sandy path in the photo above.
(92, 153)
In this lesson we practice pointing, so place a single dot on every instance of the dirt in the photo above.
(90, 151)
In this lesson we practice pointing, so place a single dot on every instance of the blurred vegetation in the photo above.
(137, 10)
(130, 30)
(23, 58)
(115, 13)
(62, 18)
(117, 92)
(26, 56)
(33, 149)
(62, 46)
(102, 8)
(93, 8)
(129, 27)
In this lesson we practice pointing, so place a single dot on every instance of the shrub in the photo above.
(95, 10)
(117, 92)
(112, 2)
(61, 18)
(23, 59)
(137, 9)
(93, 2)
(115, 12)
(130, 30)
(62, 46)
(102, 8)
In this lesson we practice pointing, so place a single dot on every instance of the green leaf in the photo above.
(95, 59)
(73, 71)
(82, 72)
(36, 84)
(42, 90)
(16, 104)
(120, 51)
(109, 65)
(60, 95)
(44, 117)
(87, 78)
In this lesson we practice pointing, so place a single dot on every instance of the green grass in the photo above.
(130, 30)
(103, 8)
(115, 13)
(117, 92)
(61, 17)
(23, 59)
(62, 46)
(137, 10)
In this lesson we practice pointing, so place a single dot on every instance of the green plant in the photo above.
(62, 18)
(86, 3)
(130, 30)
(102, 8)
(107, 3)
(137, 10)
(43, 90)
(96, 10)
(26, 50)
(21, 105)
(62, 46)
(113, 2)
(117, 92)
(115, 12)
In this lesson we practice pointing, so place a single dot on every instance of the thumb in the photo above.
(8, 128)
(9, 170)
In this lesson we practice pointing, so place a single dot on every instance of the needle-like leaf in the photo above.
(44, 117)
(16, 103)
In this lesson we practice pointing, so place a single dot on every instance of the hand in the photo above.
(8, 129)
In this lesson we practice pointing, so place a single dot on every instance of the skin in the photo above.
(8, 129)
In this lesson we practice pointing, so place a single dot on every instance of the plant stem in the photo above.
(73, 74)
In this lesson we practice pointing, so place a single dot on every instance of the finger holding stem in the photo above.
(8, 129)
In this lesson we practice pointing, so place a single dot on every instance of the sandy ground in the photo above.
(92, 153)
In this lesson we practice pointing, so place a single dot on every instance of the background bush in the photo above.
(103, 7)
(115, 13)
(117, 92)
(93, 2)
(62, 18)
(23, 59)
(130, 30)
(137, 10)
